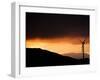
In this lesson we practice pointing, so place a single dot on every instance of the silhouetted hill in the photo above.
(39, 57)
(76, 55)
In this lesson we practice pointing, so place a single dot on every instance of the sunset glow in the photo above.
(60, 46)
(57, 39)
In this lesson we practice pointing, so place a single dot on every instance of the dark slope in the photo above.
(36, 57)
(76, 55)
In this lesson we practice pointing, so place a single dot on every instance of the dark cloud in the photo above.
(45, 25)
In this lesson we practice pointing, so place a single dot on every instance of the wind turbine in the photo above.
(83, 44)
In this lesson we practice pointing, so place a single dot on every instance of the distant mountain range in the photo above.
(36, 57)
(76, 55)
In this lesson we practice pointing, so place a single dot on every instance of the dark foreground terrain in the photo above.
(36, 57)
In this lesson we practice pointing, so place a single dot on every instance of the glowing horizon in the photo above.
(60, 33)
(61, 46)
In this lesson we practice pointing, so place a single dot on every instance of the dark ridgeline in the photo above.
(36, 57)
(52, 26)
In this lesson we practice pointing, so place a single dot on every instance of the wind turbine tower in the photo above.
(83, 44)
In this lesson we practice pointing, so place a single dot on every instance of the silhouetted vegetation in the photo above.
(36, 57)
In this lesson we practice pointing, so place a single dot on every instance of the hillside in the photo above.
(76, 55)
(36, 57)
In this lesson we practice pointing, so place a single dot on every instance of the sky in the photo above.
(61, 33)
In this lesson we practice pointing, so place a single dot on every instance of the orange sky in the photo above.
(59, 45)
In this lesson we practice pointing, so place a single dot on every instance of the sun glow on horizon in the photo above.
(60, 46)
